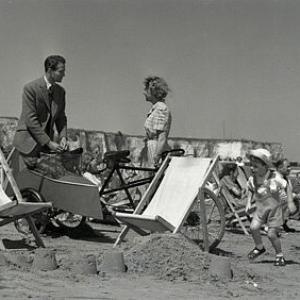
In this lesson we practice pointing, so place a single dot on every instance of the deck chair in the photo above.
(169, 197)
(236, 216)
(12, 210)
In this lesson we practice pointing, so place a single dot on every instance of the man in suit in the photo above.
(43, 107)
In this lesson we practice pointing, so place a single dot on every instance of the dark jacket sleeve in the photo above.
(30, 116)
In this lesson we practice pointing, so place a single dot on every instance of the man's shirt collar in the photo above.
(47, 83)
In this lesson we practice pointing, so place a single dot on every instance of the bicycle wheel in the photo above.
(215, 221)
(40, 219)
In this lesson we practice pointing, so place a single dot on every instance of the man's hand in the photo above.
(55, 147)
(64, 143)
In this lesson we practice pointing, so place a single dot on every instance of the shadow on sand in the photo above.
(266, 261)
(17, 244)
(220, 252)
(83, 232)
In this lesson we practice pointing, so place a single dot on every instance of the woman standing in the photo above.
(158, 120)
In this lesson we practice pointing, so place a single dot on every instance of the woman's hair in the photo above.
(52, 61)
(157, 86)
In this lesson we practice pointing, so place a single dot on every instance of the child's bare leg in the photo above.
(256, 235)
(275, 240)
(259, 247)
(273, 237)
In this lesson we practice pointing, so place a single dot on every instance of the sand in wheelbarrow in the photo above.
(173, 257)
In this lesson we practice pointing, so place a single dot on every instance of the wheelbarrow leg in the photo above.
(35, 232)
(124, 231)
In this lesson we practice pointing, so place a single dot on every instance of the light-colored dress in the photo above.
(158, 120)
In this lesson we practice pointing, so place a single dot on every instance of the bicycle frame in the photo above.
(125, 185)
(115, 164)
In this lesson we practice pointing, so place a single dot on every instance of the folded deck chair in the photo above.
(237, 215)
(170, 195)
(12, 210)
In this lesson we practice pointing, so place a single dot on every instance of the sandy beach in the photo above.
(158, 267)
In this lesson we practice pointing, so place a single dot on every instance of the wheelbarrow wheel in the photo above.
(41, 219)
(215, 221)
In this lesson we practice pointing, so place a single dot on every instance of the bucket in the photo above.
(113, 262)
(44, 260)
(220, 268)
(84, 264)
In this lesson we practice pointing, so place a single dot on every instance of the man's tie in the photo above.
(50, 95)
(50, 99)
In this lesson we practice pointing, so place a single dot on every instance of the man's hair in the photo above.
(52, 61)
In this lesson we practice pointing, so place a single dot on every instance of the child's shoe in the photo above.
(280, 261)
(255, 253)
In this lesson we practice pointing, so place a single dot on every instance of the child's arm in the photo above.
(249, 200)
(286, 185)
(249, 192)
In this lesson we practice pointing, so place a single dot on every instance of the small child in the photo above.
(288, 204)
(265, 187)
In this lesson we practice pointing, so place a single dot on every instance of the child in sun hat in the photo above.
(265, 187)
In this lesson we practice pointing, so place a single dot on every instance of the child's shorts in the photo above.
(272, 217)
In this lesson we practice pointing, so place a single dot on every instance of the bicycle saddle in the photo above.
(173, 152)
(117, 156)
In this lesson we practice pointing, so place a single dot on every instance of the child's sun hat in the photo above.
(262, 154)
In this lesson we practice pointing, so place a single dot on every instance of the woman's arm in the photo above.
(161, 141)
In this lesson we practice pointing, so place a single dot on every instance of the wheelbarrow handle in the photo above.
(74, 151)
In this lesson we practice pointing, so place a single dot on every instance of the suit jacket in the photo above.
(31, 128)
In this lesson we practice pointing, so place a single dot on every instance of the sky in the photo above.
(233, 65)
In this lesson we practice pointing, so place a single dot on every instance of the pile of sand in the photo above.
(169, 257)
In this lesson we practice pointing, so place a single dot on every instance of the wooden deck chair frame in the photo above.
(17, 209)
(163, 225)
(228, 199)
(12, 161)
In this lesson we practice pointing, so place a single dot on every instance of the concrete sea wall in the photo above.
(95, 143)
